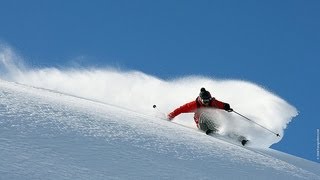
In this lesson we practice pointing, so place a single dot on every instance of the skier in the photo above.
(204, 100)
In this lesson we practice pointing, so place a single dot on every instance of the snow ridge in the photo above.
(52, 135)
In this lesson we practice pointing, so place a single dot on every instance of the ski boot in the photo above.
(212, 132)
(243, 140)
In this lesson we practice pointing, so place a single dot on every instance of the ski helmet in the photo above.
(205, 96)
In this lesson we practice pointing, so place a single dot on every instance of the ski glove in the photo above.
(170, 116)
(227, 107)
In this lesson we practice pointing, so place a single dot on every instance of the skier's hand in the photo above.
(170, 116)
(227, 107)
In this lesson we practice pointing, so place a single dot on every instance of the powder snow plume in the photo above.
(138, 91)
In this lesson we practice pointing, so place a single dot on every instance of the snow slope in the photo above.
(138, 91)
(50, 135)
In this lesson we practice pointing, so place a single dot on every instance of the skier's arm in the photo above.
(189, 107)
(221, 105)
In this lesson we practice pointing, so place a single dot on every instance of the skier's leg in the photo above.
(203, 126)
(207, 125)
(243, 140)
(212, 126)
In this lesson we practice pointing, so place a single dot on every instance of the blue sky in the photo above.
(275, 44)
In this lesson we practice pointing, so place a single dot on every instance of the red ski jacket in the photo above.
(195, 106)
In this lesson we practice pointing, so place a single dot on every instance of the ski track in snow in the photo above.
(50, 135)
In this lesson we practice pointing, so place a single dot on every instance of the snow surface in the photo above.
(139, 91)
(50, 135)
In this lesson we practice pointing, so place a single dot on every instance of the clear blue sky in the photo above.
(273, 43)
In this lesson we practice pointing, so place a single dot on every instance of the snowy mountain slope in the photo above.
(137, 91)
(48, 135)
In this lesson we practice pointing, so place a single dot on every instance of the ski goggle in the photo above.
(205, 101)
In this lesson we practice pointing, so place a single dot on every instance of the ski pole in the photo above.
(155, 107)
(277, 134)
